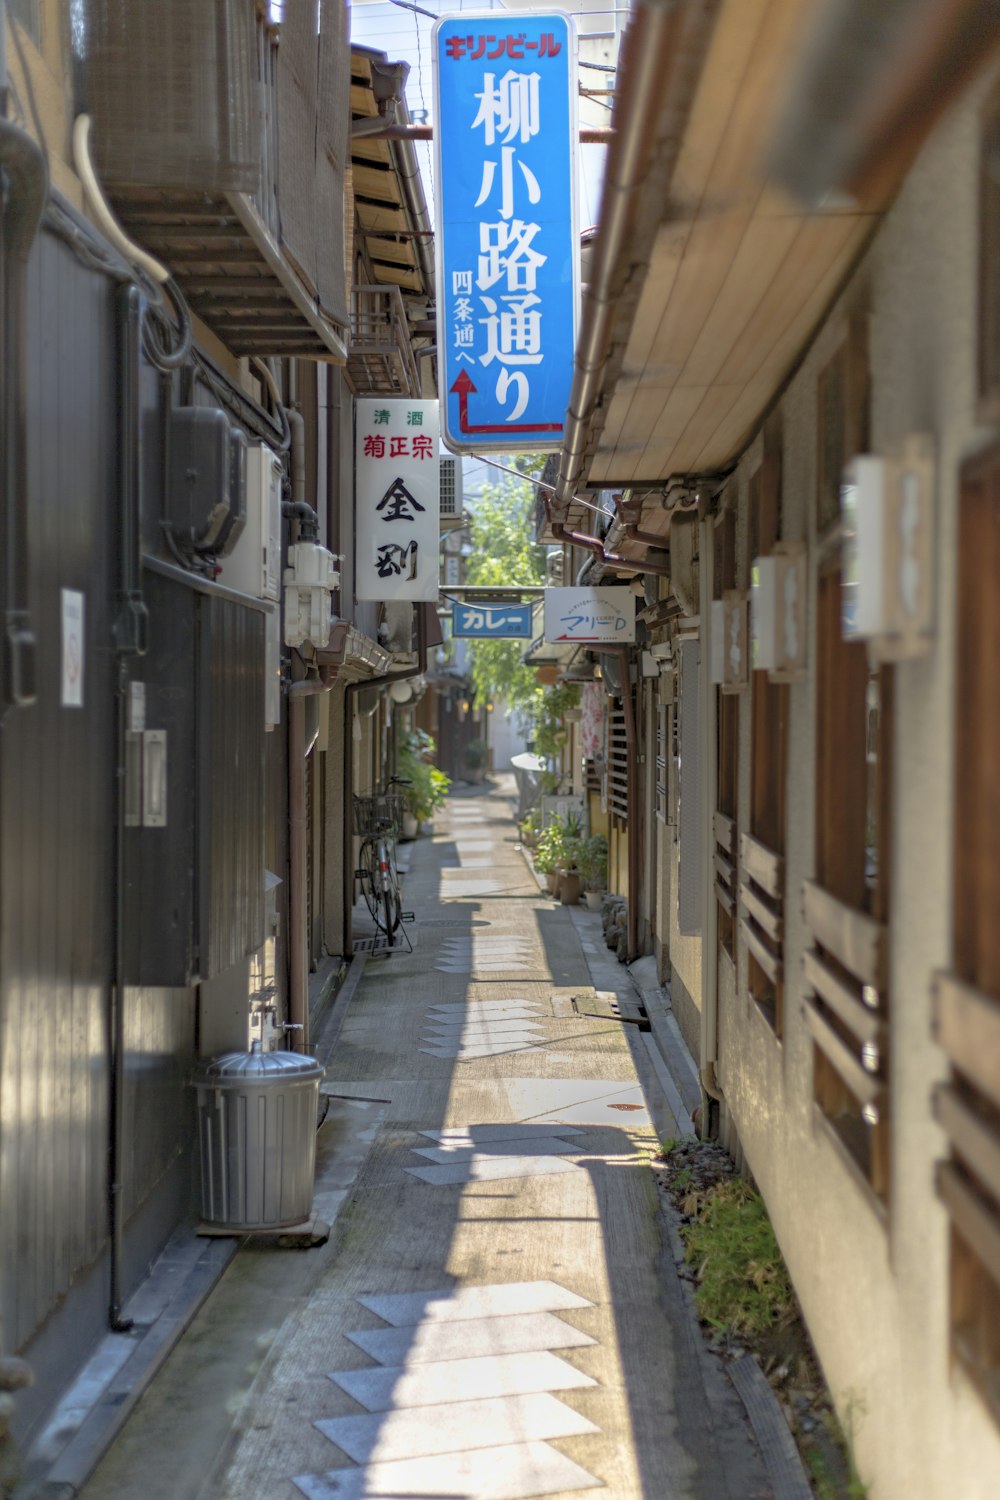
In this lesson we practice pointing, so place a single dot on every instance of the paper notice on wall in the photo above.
(71, 695)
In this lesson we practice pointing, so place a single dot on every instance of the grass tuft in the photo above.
(742, 1284)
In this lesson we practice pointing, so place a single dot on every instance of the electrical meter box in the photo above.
(730, 641)
(254, 565)
(886, 508)
(778, 612)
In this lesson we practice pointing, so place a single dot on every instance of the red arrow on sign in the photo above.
(463, 385)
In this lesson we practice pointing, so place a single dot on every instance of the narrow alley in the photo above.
(497, 1313)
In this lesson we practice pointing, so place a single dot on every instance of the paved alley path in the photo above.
(496, 1315)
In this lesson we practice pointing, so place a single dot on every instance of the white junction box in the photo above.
(310, 578)
(254, 565)
(886, 506)
(778, 612)
(730, 641)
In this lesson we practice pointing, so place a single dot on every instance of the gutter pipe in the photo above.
(650, 54)
(405, 159)
(634, 821)
(707, 708)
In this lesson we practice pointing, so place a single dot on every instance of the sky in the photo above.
(404, 33)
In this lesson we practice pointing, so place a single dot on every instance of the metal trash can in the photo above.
(257, 1116)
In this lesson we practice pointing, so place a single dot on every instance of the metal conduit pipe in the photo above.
(413, 193)
(653, 40)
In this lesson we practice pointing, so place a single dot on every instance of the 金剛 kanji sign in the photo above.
(492, 621)
(398, 499)
(506, 233)
(594, 614)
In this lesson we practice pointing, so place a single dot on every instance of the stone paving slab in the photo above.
(501, 1320)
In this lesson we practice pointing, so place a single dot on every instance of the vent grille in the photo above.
(449, 487)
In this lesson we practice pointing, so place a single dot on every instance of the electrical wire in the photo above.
(276, 401)
(167, 347)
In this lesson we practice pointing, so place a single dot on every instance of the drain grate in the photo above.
(624, 1107)
(371, 944)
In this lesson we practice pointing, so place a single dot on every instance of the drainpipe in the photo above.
(632, 799)
(651, 53)
(298, 934)
(407, 170)
(353, 688)
(129, 636)
(709, 1038)
(609, 559)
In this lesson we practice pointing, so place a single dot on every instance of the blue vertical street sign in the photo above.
(505, 85)
(497, 622)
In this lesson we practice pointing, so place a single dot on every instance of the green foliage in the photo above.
(743, 1286)
(547, 717)
(594, 862)
(531, 827)
(428, 786)
(502, 534)
(559, 845)
(474, 755)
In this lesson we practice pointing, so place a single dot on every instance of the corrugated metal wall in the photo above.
(56, 815)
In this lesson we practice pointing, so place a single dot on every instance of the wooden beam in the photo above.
(762, 865)
(863, 1022)
(867, 1088)
(979, 1228)
(967, 1026)
(856, 940)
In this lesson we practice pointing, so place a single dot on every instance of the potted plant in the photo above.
(428, 787)
(474, 757)
(530, 828)
(549, 853)
(570, 881)
(594, 869)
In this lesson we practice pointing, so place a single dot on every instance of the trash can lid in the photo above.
(256, 1066)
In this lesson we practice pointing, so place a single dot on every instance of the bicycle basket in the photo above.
(381, 812)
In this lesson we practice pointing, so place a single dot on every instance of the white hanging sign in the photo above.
(398, 499)
(590, 614)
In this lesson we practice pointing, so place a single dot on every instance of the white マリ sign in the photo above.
(71, 694)
(590, 614)
(398, 499)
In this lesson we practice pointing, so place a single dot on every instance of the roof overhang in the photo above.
(712, 279)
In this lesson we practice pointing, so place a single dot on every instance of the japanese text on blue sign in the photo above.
(492, 621)
(506, 227)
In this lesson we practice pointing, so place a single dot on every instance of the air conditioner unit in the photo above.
(778, 612)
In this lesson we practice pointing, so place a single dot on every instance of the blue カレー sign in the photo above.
(492, 621)
(506, 233)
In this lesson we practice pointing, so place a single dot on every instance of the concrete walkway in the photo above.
(497, 1313)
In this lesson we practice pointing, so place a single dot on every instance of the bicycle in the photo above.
(378, 818)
